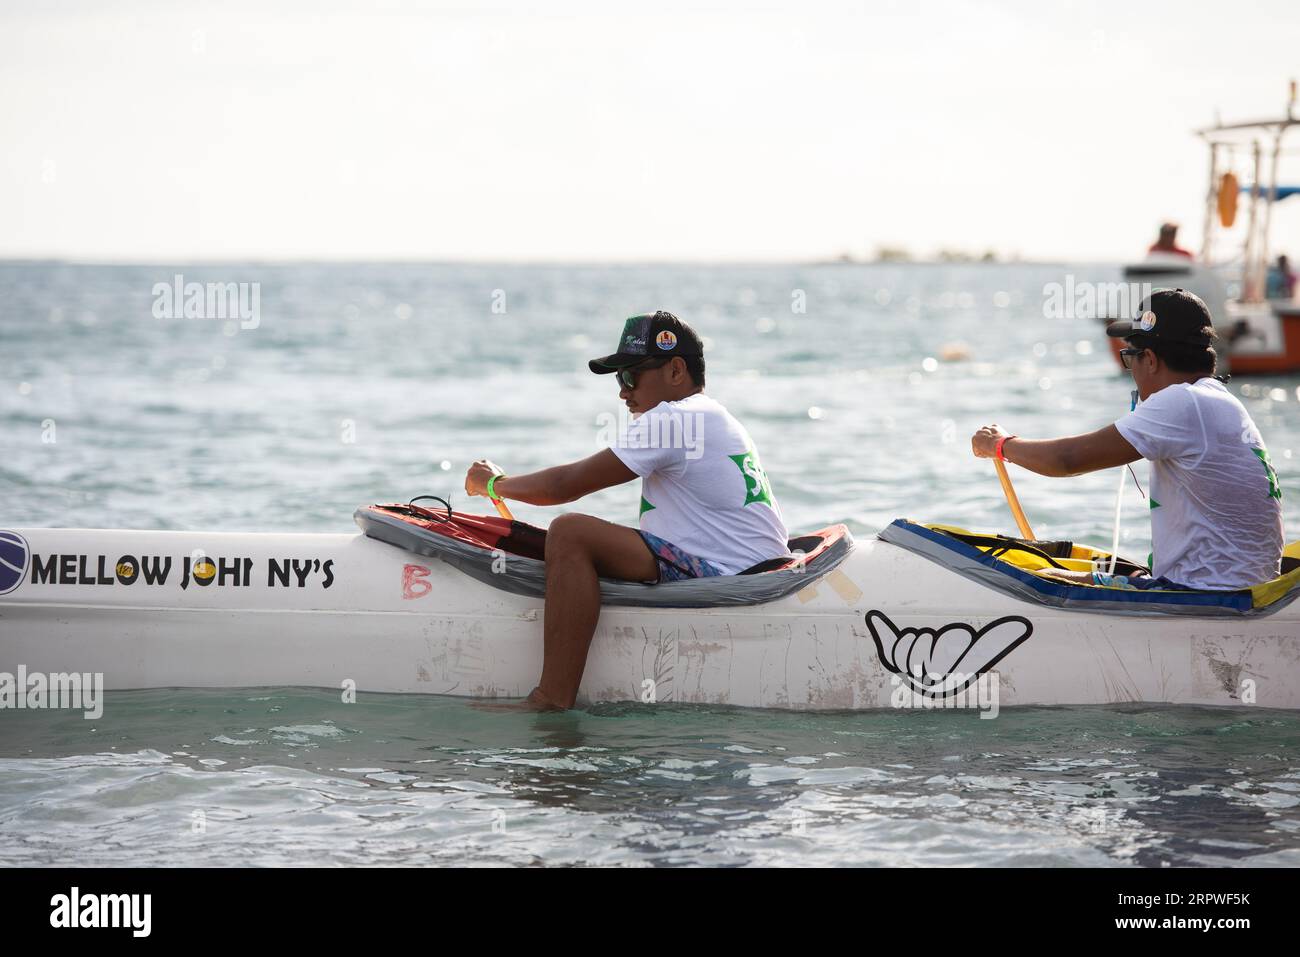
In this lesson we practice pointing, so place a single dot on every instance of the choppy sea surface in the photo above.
(360, 383)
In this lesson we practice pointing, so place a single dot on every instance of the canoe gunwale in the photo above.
(527, 576)
(978, 566)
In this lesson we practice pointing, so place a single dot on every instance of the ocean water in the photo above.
(360, 383)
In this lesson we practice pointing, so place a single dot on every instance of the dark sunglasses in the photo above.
(1127, 356)
(627, 377)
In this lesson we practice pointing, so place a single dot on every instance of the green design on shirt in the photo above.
(757, 487)
(1154, 503)
(1274, 490)
(645, 507)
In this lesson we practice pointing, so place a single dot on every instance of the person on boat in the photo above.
(1216, 511)
(707, 507)
(1281, 280)
(1167, 244)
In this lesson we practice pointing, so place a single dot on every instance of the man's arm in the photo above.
(554, 486)
(1072, 455)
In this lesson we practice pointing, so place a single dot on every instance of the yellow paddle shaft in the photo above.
(505, 512)
(1017, 512)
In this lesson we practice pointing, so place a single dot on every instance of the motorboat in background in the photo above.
(1260, 335)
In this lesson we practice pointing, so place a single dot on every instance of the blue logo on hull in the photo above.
(14, 556)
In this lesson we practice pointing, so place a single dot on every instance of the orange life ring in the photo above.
(1228, 190)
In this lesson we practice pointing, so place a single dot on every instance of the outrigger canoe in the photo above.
(441, 602)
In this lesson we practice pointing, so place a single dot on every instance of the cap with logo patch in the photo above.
(1169, 315)
(651, 335)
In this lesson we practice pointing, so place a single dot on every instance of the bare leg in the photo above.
(1079, 578)
(579, 549)
(1060, 574)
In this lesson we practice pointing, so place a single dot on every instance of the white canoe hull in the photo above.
(391, 621)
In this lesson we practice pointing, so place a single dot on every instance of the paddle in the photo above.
(489, 492)
(1017, 512)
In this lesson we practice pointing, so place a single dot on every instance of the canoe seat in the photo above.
(476, 545)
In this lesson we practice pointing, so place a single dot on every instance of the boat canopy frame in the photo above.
(1225, 136)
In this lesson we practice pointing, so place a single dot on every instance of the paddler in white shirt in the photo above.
(707, 507)
(1216, 511)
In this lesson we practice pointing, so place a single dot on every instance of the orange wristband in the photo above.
(998, 448)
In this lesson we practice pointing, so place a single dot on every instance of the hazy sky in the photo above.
(619, 131)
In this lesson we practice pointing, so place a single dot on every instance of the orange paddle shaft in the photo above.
(1017, 512)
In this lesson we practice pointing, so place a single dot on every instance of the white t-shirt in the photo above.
(702, 487)
(1216, 509)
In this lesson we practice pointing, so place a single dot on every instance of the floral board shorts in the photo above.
(675, 564)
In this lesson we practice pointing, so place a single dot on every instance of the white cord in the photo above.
(1119, 498)
(1119, 505)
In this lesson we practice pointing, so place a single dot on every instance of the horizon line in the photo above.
(384, 261)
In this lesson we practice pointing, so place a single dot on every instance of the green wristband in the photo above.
(492, 487)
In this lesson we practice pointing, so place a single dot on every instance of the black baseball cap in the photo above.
(1169, 315)
(647, 336)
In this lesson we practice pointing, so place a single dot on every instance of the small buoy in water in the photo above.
(954, 352)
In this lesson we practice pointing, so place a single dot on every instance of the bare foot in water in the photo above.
(536, 701)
